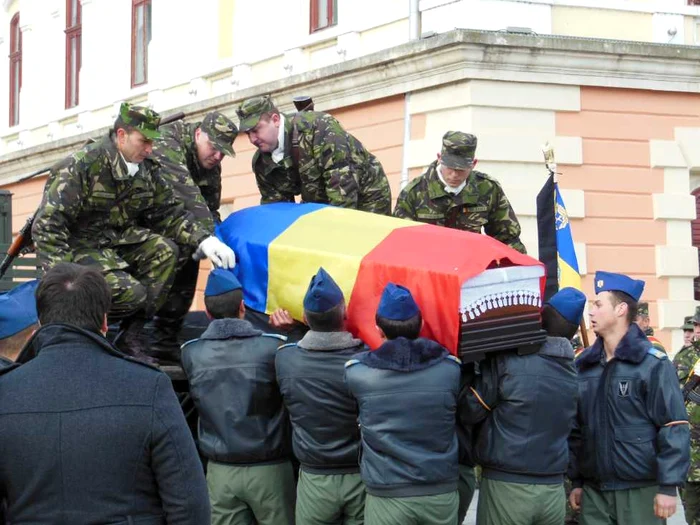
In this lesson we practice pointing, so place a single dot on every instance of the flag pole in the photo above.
(551, 165)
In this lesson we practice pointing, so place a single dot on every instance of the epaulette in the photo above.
(455, 359)
(351, 362)
(288, 345)
(658, 354)
(183, 345)
(276, 336)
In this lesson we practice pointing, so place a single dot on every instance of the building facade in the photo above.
(612, 84)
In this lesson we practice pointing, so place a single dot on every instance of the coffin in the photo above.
(476, 294)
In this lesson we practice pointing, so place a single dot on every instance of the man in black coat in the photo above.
(87, 434)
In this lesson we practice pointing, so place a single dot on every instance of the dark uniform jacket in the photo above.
(197, 187)
(231, 371)
(89, 436)
(407, 395)
(311, 373)
(531, 403)
(625, 434)
(334, 168)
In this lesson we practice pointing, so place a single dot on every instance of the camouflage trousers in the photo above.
(139, 274)
(690, 494)
(179, 299)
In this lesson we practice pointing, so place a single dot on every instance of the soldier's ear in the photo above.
(474, 162)
(439, 156)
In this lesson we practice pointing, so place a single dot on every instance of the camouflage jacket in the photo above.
(334, 168)
(91, 203)
(684, 362)
(481, 204)
(197, 187)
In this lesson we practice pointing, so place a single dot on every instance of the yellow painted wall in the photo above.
(691, 27)
(226, 13)
(388, 35)
(602, 23)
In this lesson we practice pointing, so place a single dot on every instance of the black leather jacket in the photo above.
(407, 395)
(325, 432)
(532, 402)
(231, 371)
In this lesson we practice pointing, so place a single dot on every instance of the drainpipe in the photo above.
(414, 32)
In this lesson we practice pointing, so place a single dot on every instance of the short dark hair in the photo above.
(120, 124)
(225, 305)
(73, 294)
(555, 324)
(409, 328)
(632, 305)
(331, 320)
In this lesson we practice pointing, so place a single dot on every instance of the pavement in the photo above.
(676, 519)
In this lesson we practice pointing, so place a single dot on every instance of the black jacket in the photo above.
(325, 432)
(627, 433)
(407, 395)
(531, 403)
(89, 436)
(231, 371)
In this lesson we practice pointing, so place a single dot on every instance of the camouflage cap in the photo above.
(696, 317)
(221, 132)
(250, 110)
(688, 323)
(643, 309)
(140, 118)
(458, 150)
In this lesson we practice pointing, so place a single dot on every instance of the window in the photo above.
(140, 37)
(15, 69)
(324, 13)
(73, 47)
(693, 2)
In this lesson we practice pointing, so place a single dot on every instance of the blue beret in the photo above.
(397, 303)
(221, 281)
(323, 293)
(569, 302)
(18, 309)
(616, 282)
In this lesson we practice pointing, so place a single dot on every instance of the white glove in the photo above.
(217, 252)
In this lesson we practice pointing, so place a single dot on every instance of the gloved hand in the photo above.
(696, 368)
(217, 252)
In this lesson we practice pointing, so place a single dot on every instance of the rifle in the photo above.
(23, 242)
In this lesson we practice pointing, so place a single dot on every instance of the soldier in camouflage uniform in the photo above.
(328, 166)
(106, 206)
(644, 324)
(451, 193)
(190, 158)
(685, 362)
(688, 331)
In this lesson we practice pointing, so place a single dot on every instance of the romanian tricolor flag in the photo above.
(556, 244)
(281, 246)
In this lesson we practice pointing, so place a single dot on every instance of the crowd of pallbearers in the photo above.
(382, 437)
(89, 435)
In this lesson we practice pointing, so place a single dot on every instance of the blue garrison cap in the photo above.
(221, 281)
(569, 302)
(323, 293)
(397, 303)
(616, 282)
(18, 309)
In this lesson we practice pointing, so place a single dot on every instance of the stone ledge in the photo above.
(449, 57)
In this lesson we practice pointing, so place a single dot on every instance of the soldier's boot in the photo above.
(165, 341)
(132, 339)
